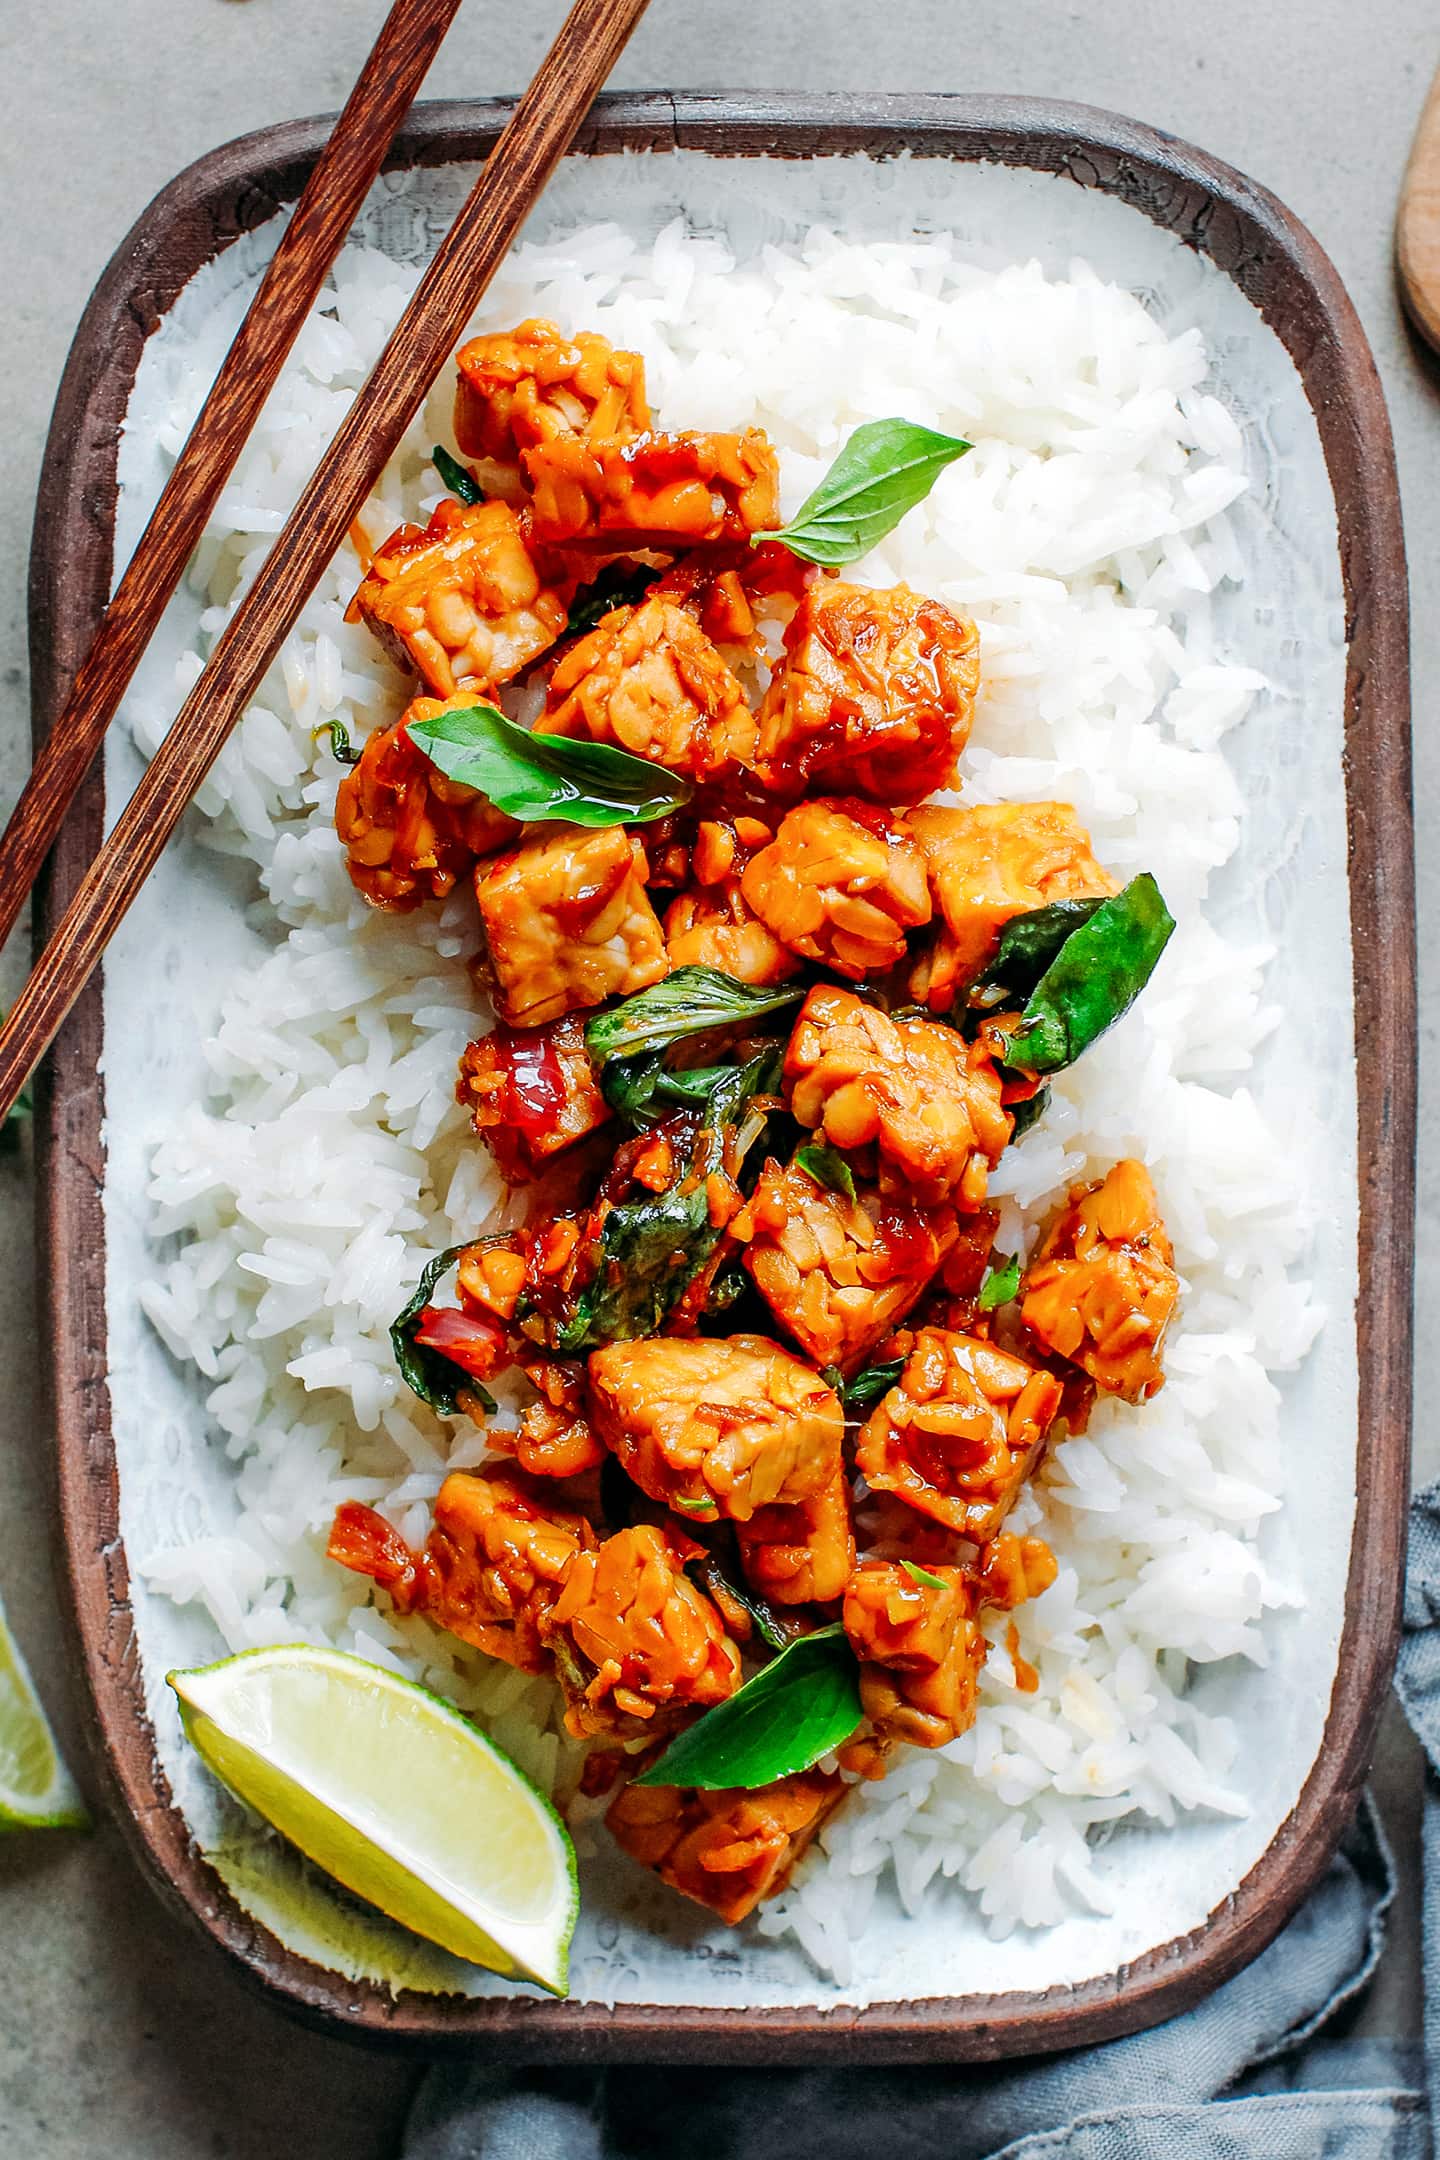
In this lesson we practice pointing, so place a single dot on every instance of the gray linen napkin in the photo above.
(1245, 2076)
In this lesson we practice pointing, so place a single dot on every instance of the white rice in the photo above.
(1085, 531)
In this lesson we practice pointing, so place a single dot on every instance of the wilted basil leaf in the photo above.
(719, 1582)
(804, 1703)
(885, 468)
(339, 736)
(621, 585)
(457, 477)
(828, 1167)
(690, 1002)
(538, 777)
(651, 1249)
(1028, 1112)
(868, 1386)
(433, 1378)
(1028, 944)
(1096, 976)
(1000, 1285)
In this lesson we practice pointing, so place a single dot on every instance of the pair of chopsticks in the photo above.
(540, 129)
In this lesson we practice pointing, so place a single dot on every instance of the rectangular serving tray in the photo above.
(1285, 275)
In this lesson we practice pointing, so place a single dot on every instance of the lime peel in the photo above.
(37, 1792)
(395, 1794)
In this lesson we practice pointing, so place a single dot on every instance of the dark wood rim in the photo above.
(1282, 270)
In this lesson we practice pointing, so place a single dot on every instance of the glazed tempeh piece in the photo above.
(490, 1570)
(464, 601)
(960, 1432)
(915, 1090)
(876, 695)
(800, 1554)
(410, 834)
(727, 1850)
(839, 1273)
(988, 863)
(518, 388)
(840, 884)
(568, 922)
(635, 1640)
(1102, 1288)
(921, 1648)
(654, 491)
(716, 1426)
(648, 680)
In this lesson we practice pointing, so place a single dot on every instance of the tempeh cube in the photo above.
(715, 927)
(1102, 1288)
(840, 884)
(715, 1426)
(464, 601)
(920, 1648)
(491, 1568)
(989, 862)
(568, 922)
(635, 1640)
(876, 694)
(726, 1850)
(531, 1092)
(839, 1273)
(409, 833)
(648, 680)
(531, 385)
(801, 1553)
(927, 1100)
(961, 1432)
(654, 491)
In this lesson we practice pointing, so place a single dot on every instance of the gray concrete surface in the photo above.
(119, 2035)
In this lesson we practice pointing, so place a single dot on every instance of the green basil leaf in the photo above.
(923, 1575)
(630, 1085)
(339, 736)
(620, 585)
(695, 1086)
(1028, 944)
(695, 1507)
(432, 1377)
(1096, 976)
(633, 1086)
(867, 1387)
(804, 1703)
(457, 477)
(828, 1167)
(711, 1577)
(537, 777)
(1028, 1112)
(651, 1249)
(690, 1002)
(885, 468)
(729, 1286)
(1000, 1285)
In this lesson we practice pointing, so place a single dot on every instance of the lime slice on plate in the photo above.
(396, 1795)
(36, 1790)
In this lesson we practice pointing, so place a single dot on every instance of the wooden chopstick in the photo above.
(327, 209)
(541, 128)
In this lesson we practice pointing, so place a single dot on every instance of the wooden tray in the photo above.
(1279, 267)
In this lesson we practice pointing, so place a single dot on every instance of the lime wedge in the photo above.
(36, 1790)
(396, 1795)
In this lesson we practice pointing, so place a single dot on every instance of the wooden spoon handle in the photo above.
(1417, 224)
